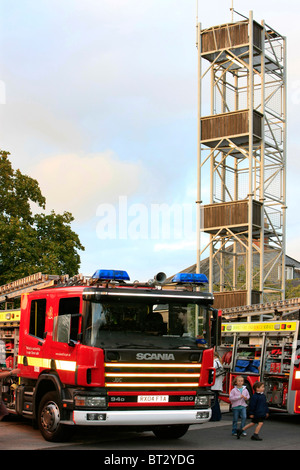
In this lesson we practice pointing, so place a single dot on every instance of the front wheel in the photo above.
(170, 432)
(49, 419)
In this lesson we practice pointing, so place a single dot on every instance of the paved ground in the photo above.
(280, 432)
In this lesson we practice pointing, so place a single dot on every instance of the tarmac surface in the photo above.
(280, 432)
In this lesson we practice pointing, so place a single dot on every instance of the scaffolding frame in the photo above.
(242, 151)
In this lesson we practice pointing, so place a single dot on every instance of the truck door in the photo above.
(32, 336)
(65, 335)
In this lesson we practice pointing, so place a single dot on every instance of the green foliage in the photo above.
(32, 243)
(292, 289)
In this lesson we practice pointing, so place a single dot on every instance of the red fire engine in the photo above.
(267, 351)
(115, 353)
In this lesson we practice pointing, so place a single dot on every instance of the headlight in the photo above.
(202, 415)
(90, 401)
(202, 400)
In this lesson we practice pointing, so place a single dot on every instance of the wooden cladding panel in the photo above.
(229, 214)
(229, 125)
(221, 125)
(228, 36)
(236, 298)
(257, 36)
(257, 118)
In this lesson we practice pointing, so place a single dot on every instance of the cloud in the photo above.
(80, 183)
(181, 245)
(82, 77)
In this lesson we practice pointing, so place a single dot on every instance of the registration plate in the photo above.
(153, 398)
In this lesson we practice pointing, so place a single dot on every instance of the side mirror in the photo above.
(66, 329)
(62, 328)
(216, 324)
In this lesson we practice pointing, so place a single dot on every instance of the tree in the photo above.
(292, 289)
(32, 243)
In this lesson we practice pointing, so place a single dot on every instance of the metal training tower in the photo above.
(242, 160)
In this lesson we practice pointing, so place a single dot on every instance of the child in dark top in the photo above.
(258, 411)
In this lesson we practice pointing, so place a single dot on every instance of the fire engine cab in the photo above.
(114, 353)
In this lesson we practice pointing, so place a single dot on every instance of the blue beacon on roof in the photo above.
(190, 277)
(111, 275)
(117, 275)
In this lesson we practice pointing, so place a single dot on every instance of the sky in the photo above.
(98, 102)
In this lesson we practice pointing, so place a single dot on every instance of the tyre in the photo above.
(49, 419)
(170, 432)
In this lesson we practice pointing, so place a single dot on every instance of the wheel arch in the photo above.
(47, 382)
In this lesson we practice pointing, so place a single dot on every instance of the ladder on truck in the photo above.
(277, 310)
(13, 290)
(10, 317)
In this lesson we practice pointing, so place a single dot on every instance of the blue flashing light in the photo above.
(111, 275)
(192, 278)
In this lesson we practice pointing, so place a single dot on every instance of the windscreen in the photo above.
(135, 324)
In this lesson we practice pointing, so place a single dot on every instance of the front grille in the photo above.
(152, 376)
(145, 380)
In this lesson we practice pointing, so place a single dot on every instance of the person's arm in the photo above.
(234, 395)
(252, 405)
(245, 394)
(7, 373)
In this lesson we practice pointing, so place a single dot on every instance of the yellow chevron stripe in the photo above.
(46, 363)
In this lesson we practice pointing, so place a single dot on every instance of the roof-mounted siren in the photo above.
(110, 275)
(190, 278)
(159, 278)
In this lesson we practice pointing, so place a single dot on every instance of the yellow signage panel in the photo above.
(258, 327)
(10, 315)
